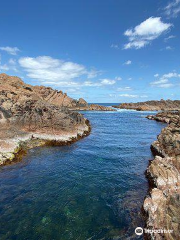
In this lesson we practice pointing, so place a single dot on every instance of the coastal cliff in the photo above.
(13, 90)
(162, 105)
(31, 116)
(163, 203)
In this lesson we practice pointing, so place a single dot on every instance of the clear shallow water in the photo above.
(92, 189)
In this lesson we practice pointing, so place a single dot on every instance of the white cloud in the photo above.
(10, 65)
(163, 82)
(128, 62)
(107, 81)
(169, 48)
(124, 89)
(128, 95)
(55, 71)
(62, 84)
(156, 75)
(168, 38)
(10, 50)
(90, 84)
(102, 82)
(136, 44)
(93, 73)
(166, 85)
(4, 67)
(129, 78)
(173, 8)
(145, 32)
(171, 75)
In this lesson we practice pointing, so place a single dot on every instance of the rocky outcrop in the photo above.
(162, 105)
(13, 89)
(163, 203)
(30, 117)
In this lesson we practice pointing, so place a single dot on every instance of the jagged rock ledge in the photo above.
(162, 105)
(37, 123)
(33, 116)
(14, 90)
(162, 205)
(12, 150)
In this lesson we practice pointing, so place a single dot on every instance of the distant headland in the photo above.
(155, 105)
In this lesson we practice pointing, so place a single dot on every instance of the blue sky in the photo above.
(101, 50)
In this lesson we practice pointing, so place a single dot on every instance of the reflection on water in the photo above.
(92, 189)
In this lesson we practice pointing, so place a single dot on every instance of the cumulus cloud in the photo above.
(172, 9)
(128, 62)
(10, 50)
(145, 32)
(54, 71)
(164, 82)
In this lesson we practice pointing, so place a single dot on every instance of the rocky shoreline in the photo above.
(33, 116)
(18, 134)
(162, 205)
(14, 90)
(29, 117)
(162, 105)
(12, 150)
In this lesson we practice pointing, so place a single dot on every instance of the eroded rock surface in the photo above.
(151, 105)
(13, 89)
(32, 116)
(163, 204)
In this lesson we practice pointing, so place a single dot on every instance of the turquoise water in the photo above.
(91, 190)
